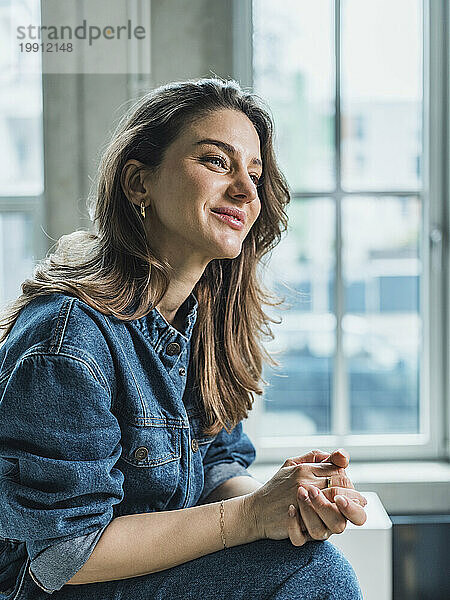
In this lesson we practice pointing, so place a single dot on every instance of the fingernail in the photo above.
(302, 493)
(342, 499)
(313, 492)
(292, 510)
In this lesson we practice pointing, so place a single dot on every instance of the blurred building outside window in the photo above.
(345, 85)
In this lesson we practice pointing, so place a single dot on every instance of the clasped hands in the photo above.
(321, 510)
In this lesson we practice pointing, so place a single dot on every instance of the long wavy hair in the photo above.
(113, 268)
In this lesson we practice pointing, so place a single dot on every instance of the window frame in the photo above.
(434, 442)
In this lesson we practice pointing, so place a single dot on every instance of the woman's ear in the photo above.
(133, 181)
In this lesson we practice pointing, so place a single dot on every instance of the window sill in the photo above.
(403, 487)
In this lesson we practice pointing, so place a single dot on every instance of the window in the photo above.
(348, 84)
(21, 168)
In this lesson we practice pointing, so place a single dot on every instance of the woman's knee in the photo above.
(315, 571)
(336, 575)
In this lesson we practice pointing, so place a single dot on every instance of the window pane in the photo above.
(381, 103)
(293, 70)
(21, 167)
(16, 254)
(298, 400)
(382, 325)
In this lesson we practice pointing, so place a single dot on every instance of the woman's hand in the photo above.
(319, 518)
(269, 504)
(326, 511)
(340, 483)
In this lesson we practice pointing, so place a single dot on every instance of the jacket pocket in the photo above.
(150, 446)
(150, 462)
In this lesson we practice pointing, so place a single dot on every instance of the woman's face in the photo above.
(197, 177)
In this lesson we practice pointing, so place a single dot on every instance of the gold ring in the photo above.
(329, 482)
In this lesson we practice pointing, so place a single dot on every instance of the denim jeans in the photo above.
(262, 570)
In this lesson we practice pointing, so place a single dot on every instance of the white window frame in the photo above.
(434, 442)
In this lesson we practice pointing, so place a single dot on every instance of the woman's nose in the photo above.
(244, 187)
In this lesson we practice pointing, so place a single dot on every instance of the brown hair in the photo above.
(114, 270)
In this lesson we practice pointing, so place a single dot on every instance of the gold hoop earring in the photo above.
(143, 210)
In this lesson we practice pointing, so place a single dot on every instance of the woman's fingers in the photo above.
(337, 490)
(351, 510)
(309, 457)
(314, 523)
(297, 536)
(333, 515)
(331, 493)
(340, 458)
(325, 469)
(338, 480)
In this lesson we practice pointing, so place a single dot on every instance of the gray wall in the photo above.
(191, 39)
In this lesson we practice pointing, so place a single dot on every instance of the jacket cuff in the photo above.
(57, 564)
(218, 474)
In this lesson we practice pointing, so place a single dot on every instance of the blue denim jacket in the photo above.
(98, 418)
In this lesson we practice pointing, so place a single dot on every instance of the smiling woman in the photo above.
(128, 365)
(184, 150)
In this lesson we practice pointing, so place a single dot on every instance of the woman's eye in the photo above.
(211, 160)
(223, 164)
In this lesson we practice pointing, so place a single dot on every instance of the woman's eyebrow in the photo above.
(226, 147)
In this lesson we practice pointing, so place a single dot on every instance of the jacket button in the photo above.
(141, 453)
(173, 348)
(182, 371)
(194, 445)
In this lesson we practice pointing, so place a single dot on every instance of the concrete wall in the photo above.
(191, 38)
(78, 114)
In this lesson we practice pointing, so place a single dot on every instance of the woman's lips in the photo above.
(231, 221)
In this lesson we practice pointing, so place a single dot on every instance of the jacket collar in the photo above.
(155, 325)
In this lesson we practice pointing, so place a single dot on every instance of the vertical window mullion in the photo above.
(445, 225)
(340, 402)
(435, 212)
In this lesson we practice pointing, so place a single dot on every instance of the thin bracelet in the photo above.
(222, 524)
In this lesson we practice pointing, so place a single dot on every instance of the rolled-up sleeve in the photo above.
(57, 427)
(228, 456)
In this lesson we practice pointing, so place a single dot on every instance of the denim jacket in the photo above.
(98, 418)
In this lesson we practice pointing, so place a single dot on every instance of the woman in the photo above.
(123, 455)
